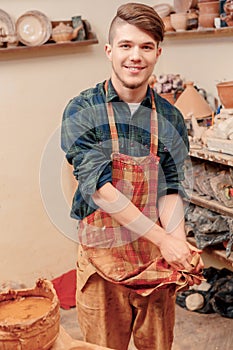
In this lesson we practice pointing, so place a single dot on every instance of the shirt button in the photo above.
(165, 149)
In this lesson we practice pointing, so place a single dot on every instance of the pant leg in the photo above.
(154, 320)
(104, 313)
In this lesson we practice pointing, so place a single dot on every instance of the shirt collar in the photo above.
(113, 96)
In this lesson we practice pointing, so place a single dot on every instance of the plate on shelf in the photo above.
(33, 28)
(6, 23)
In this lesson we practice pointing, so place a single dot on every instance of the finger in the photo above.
(199, 267)
(190, 281)
(187, 266)
(195, 249)
(176, 266)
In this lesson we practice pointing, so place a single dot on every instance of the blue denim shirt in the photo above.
(86, 140)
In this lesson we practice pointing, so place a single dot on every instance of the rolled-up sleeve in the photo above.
(83, 148)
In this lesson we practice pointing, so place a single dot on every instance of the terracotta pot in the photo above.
(167, 24)
(171, 96)
(225, 93)
(207, 20)
(179, 21)
(206, 1)
(192, 103)
(37, 326)
(208, 7)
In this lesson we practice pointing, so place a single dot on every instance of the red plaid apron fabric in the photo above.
(116, 252)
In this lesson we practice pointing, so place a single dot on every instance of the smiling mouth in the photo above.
(134, 69)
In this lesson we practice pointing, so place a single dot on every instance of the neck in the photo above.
(130, 95)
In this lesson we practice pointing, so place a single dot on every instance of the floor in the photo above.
(193, 331)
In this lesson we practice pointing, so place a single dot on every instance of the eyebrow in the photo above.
(123, 41)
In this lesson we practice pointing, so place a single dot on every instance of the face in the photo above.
(133, 54)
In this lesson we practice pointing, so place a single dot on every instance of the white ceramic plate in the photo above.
(6, 23)
(33, 28)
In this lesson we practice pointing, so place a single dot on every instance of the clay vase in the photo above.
(191, 102)
(179, 21)
(225, 93)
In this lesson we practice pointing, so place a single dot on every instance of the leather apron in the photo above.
(119, 255)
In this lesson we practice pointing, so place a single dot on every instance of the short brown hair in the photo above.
(142, 16)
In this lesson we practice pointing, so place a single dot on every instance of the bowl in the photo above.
(208, 7)
(179, 21)
(207, 20)
(225, 93)
(30, 318)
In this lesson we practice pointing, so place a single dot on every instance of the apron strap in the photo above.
(153, 125)
(112, 124)
(153, 128)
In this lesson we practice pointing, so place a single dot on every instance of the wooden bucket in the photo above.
(29, 318)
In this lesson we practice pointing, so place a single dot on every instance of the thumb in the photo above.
(195, 249)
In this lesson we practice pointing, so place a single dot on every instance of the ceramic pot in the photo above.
(206, 1)
(63, 32)
(167, 24)
(30, 330)
(171, 96)
(208, 7)
(184, 5)
(225, 93)
(192, 103)
(179, 21)
(207, 20)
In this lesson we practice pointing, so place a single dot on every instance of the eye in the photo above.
(148, 47)
(125, 46)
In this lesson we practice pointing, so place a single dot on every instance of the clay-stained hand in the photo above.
(177, 253)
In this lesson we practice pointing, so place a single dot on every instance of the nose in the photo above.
(135, 53)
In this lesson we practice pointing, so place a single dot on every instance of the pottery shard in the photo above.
(194, 301)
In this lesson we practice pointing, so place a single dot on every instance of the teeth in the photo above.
(133, 68)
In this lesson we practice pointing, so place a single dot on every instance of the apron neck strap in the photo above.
(113, 129)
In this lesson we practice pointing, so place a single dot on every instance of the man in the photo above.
(127, 146)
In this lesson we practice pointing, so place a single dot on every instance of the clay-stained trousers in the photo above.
(109, 314)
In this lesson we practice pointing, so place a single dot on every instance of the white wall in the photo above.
(36, 185)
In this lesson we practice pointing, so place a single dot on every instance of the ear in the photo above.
(108, 51)
(159, 51)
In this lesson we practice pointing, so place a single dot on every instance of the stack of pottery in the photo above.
(208, 11)
(183, 14)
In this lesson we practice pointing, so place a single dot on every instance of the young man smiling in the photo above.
(127, 146)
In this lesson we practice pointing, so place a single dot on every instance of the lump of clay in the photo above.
(194, 301)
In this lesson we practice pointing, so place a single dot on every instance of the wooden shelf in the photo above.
(211, 204)
(201, 33)
(220, 254)
(49, 46)
(203, 153)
